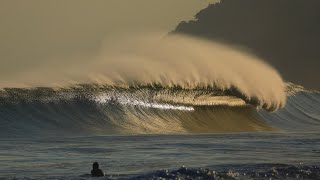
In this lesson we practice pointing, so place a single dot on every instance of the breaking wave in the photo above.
(174, 85)
(173, 61)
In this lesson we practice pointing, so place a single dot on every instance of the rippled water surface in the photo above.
(128, 156)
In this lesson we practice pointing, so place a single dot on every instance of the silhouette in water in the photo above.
(96, 172)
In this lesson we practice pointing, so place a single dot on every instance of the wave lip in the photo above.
(140, 95)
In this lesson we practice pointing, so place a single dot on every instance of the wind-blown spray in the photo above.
(173, 61)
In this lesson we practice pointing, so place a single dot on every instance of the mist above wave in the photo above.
(173, 61)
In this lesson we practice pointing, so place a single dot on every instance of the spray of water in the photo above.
(175, 60)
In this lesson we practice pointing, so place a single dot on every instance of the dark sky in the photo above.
(285, 33)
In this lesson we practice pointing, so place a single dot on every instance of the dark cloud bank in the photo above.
(285, 33)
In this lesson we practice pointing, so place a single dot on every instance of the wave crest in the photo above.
(174, 61)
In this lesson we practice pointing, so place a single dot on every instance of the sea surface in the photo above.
(132, 156)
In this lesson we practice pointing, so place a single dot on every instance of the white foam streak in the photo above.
(102, 99)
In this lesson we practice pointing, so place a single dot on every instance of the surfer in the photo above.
(96, 172)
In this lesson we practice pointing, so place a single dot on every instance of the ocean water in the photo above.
(132, 156)
(151, 132)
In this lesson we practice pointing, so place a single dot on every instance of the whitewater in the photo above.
(147, 103)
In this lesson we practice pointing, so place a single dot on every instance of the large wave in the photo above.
(176, 84)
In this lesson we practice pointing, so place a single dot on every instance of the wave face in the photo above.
(93, 109)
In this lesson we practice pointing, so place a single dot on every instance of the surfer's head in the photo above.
(95, 165)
